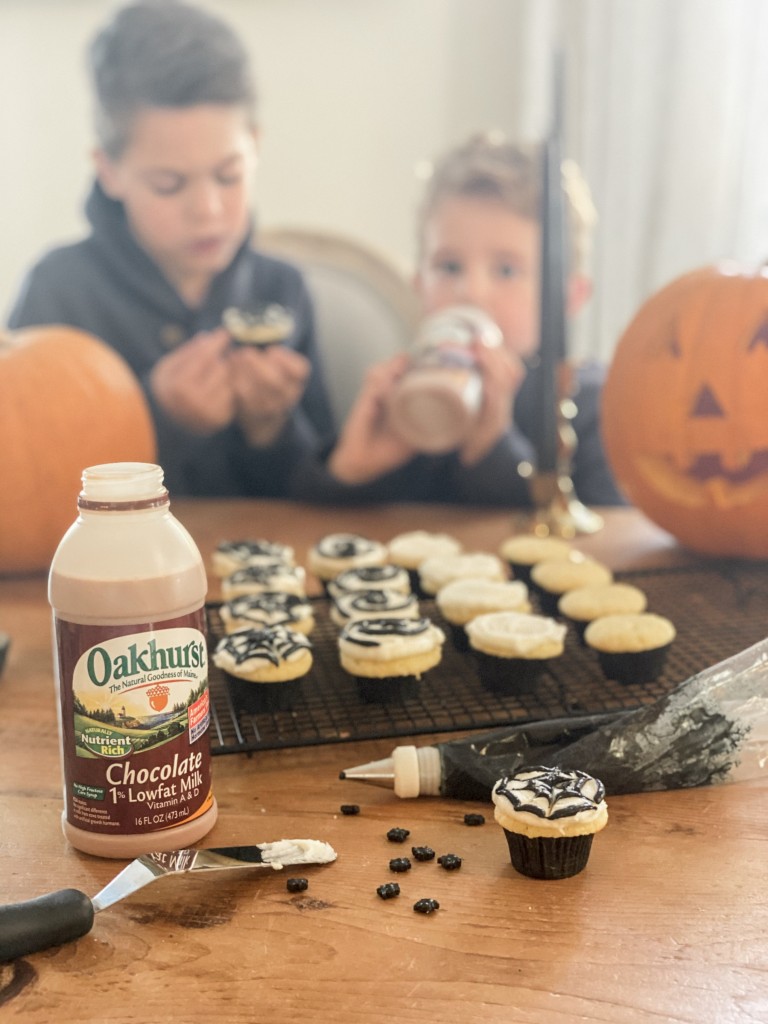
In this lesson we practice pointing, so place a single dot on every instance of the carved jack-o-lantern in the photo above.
(685, 411)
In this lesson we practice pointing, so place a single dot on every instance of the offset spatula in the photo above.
(67, 914)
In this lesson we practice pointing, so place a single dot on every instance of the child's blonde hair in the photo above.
(490, 166)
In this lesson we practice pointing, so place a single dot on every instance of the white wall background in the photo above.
(667, 107)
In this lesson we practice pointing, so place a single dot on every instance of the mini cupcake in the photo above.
(374, 577)
(389, 656)
(374, 604)
(270, 608)
(266, 325)
(584, 604)
(436, 572)
(410, 549)
(465, 599)
(337, 552)
(255, 579)
(524, 550)
(631, 648)
(549, 819)
(231, 555)
(512, 649)
(553, 577)
(264, 667)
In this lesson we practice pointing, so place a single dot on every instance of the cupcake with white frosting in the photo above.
(522, 551)
(553, 577)
(231, 555)
(374, 604)
(549, 817)
(512, 649)
(585, 604)
(462, 600)
(389, 656)
(372, 577)
(335, 553)
(631, 648)
(255, 579)
(412, 548)
(436, 572)
(264, 667)
(269, 608)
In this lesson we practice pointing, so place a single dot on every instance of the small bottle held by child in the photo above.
(437, 399)
(127, 587)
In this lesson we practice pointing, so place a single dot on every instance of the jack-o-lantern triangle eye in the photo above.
(706, 404)
(760, 336)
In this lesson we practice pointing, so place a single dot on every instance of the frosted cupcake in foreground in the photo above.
(585, 604)
(549, 819)
(269, 324)
(264, 666)
(389, 656)
(512, 649)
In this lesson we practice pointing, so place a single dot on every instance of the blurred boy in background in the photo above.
(479, 239)
(169, 251)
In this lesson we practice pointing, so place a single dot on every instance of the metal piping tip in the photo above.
(376, 773)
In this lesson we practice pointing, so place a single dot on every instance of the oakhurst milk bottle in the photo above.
(127, 588)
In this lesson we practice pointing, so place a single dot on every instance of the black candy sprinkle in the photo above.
(400, 864)
(398, 835)
(426, 906)
(449, 861)
(389, 890)
(474, 819)
(350, 808)
(296, 884)
(423, 852)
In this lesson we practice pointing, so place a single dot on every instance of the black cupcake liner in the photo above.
(548, 857)
(521, 571)
(459, 637)
(509, 676)
(634, 666)
(387, 690)
(251, 697)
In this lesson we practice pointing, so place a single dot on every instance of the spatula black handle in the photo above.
(46, 921)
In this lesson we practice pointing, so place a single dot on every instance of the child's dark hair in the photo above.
(490, 166)
(164, 53)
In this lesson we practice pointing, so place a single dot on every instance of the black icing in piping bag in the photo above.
(712, 728)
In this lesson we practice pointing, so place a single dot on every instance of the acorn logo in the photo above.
(158, 696)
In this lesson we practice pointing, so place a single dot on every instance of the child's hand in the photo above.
(367, 447)
(267, 385)
(192, 383)
(502, 373)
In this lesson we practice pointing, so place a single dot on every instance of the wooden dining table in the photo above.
(667, 923)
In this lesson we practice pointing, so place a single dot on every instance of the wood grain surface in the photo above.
(667, 923)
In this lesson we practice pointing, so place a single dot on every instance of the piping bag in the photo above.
(712, 728)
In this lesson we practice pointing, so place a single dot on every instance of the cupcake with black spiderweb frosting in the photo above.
(373, 604)
(549, 817)
(371, 577)
(264, 667)
(334, 553)
(231, 555)
(269, 608)
(388, 657)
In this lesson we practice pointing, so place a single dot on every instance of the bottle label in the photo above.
(135, 713)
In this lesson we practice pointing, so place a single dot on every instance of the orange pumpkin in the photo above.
(685, 411)
(67, 401)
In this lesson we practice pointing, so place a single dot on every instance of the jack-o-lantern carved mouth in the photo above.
(706, 480)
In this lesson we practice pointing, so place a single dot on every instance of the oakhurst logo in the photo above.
(112, 661)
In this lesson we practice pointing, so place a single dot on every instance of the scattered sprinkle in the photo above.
(350, 808)
(426, 906)
(389, 890)
(400, 864)
(449, 861)
(423, 852)
(398, 835)
(474, 819)
(296, 884)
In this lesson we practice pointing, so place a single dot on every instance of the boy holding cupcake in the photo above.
(169, 253)
(479, 245)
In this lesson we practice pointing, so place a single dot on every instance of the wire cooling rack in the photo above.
(718, 609)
